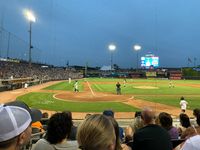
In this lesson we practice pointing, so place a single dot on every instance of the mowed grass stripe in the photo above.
(65, 86)
(96, 86)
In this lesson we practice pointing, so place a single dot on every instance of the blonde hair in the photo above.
(96, 133)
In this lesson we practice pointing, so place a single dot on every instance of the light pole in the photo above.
(137, 48)
(112, 48)
(31, 18)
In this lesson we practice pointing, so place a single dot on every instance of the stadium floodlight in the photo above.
(31, 18)
(112, 48)
(137, 48)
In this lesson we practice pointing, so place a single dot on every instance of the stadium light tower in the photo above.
(112, 48)
(31, 18)
(137, 48)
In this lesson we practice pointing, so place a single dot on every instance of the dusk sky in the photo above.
(80, 31)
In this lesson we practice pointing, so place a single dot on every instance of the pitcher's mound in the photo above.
(146, 87)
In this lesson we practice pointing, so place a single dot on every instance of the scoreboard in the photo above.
(149, 61)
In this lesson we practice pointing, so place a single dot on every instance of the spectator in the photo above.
(192, 131)
(151, 136)
(137, 124)
(15, 125)
(96, 133)
(110, 113)
(45, 118)
(196, 111)
(165, 120)
(72, 135)
(119, 146)
(192, 143)
(38, 124)
(130, 130)
(58, 130)
(184, 123)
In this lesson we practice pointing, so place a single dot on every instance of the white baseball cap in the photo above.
(15, 117)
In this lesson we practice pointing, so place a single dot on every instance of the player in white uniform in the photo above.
(26, 85)
(183, 104)
(76, 86)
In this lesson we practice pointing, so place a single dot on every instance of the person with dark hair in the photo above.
(15, 124)
(184, 123)
(166, 121)
(185, 120)
(58, 129)
(45, 119)
(192, 130)
(72, 135)
(151, 136)
(192, 134)
(196, 111)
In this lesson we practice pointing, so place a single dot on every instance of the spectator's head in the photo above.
(165, 120)
(196, 111)
(15, 124)
(184, 120)
(59, 127)
(137, 114)
(148, 116)
(45, 115)
(96, 133)
(108, 113)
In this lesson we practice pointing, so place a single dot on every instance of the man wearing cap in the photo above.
(15, 125)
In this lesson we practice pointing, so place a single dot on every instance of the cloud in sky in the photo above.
(79, 31)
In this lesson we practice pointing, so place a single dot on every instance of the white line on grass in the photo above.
(98, 87)
(90, 88)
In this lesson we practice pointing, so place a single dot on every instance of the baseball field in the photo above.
(98, 94)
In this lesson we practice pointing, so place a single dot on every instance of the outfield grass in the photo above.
(47, 102)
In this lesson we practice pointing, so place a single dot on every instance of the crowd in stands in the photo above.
(148, 131)
(12, 70)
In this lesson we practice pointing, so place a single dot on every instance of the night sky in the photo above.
(79, 31)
